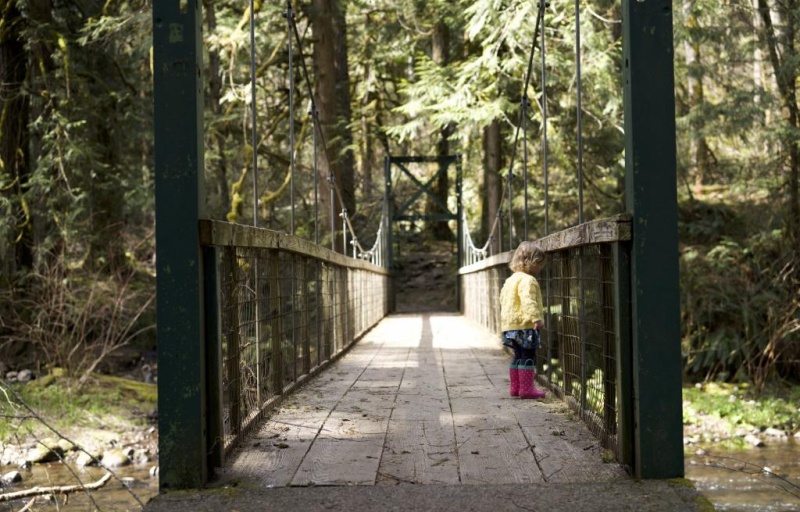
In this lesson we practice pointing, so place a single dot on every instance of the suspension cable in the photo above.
(254, 128)
(313, 114)
(335, 189)
(497, 224)
(579, 100)
(528, 73)
(290, 23)
(525, 105)
(581, 250)
(542, 5)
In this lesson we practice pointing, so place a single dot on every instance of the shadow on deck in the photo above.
(417, 417)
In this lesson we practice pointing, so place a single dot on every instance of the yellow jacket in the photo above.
(520, 302)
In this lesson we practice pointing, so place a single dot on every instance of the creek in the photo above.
(743, 480)
(113, 496)
(733, 480)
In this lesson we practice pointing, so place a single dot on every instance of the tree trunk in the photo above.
(492, 182)
(221, 201)
(441, 56)
(333, 106)
(698, 146)
(14, 151)
(787, 87)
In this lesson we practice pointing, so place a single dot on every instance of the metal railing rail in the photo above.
(470, 252)
(590, 372)
(284, 308)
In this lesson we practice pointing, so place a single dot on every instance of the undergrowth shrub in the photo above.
(75, 319)
(741, 309)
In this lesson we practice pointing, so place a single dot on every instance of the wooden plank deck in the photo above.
(421, 399)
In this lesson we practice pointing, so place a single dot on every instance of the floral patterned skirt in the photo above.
(527, 339)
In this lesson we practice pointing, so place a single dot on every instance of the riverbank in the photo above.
(737, 415)
(107, 418)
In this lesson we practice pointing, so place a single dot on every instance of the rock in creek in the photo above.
(87, 459)
(117, 458)
(754, 441)
(46, 450)
(12, 477)
(774, 432)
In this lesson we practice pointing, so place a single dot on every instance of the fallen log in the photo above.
(64, 489)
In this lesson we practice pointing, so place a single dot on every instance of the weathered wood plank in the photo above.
(425, 380)
(334, 461)
(348, 448)
(273, 454)
(420, 442)
(492, 446)
(419, 452)
(222, 234)
(430, 410)
(492, 261)
(564, 449)
(612, 229)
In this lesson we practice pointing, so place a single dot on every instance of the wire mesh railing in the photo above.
(286, 308)
(585, 321)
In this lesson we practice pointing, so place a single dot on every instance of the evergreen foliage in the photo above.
(76, 194)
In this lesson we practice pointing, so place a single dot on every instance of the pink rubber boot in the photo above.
(527, 383)
(513, 375)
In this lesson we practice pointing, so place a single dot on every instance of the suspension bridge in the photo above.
(285, 373)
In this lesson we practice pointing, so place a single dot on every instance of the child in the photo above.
(521, 318)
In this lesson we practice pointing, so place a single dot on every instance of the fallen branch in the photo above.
(64, 489)
(28, 506)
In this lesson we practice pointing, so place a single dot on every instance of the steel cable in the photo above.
(325, 150)
(523, 112)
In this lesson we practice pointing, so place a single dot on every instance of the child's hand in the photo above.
(538, 325)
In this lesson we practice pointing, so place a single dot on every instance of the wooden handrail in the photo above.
(611, 229)
(216, 233)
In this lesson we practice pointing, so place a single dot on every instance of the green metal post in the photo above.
(621, 264)
(216, 434)
(387, 198)
(180, 201)
(651, 197)
(459, 229)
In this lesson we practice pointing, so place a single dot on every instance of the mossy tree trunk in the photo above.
(14, 152)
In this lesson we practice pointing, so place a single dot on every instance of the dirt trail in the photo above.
(425, 278)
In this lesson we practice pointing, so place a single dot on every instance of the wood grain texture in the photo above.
(420, 400)
(612, 229)
(225, 234)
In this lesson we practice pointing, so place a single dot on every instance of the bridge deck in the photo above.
(422, 399)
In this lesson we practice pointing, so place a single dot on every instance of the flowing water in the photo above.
(756, 479)
(113, 496)
(763, 479)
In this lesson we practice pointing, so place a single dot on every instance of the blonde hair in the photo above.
(527, 255)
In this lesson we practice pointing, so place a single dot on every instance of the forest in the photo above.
(393, 77)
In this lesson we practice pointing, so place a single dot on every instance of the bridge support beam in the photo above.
(180, 202)
(651, 198)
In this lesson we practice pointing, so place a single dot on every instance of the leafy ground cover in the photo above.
(104, 409)
(714, 412)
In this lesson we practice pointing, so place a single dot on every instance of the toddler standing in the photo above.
(521, 318)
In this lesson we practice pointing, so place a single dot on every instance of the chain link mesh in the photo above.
(577, 360)
(283, 315)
